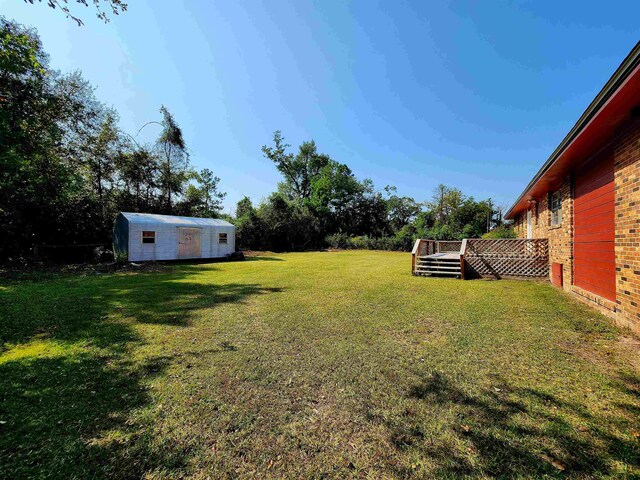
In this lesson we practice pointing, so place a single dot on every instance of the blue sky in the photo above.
(470, 94)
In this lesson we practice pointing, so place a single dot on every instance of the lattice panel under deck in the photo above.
(507, 258)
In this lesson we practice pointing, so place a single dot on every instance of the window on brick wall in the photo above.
(555, 207)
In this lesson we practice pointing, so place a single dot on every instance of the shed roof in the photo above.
(152, 218)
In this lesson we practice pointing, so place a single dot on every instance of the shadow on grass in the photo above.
(261, 258)
(53, 407)
(65, 412)
(521, 432)
(78, 308)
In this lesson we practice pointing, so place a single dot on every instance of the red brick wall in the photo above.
(626, 309)
(627, 188)
(560, 237)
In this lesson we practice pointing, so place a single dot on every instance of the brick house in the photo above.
(586, 200)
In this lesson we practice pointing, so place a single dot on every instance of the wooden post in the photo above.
(414, 252)
(463, 249)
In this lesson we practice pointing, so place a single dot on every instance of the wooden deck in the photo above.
(442, 256)
(474, 258)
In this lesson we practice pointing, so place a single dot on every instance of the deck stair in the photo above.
(439, 264)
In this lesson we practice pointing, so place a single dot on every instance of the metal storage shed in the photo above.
(146, 236)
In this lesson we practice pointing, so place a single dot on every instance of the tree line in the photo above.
(321, 203)
(67, 169)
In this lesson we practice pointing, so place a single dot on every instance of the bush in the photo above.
(500, 232)
(338, 240)
(442, 232)
(364, 242)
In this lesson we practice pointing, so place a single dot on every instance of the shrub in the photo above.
(343, 241)
(338, 240)
(500, 232)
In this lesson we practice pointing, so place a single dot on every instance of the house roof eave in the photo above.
(630, 65)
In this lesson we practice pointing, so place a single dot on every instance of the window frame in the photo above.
(143, 237)
(226, 238)
(555, 208)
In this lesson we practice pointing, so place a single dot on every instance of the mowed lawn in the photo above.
(310, 365)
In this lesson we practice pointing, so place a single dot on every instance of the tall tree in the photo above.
(444, 202)
(174, 169)
(138, 172)
(250, 230)
(333, 188)
(298, 170)
(212, 197)
(32, 176)
(65, 166)
(244, 207)
(102, 163)
(203, 199)
(401, 210)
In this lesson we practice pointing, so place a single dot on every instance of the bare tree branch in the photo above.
(115, 6)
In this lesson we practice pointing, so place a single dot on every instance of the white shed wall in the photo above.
(166, 244)
(221, 250)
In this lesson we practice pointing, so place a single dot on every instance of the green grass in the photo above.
(321, 365)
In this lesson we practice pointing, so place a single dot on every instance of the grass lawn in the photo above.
(321, 365)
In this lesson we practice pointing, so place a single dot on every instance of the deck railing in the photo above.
(424, 247)
(506, 257)
(496, 258)
(444, 246)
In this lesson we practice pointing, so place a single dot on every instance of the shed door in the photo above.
(594, 227)
(189, 245)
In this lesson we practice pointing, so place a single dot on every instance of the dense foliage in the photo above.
(321, 203)
(503, 231)
(66, 168)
